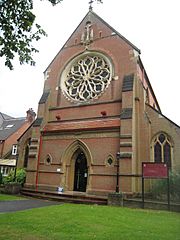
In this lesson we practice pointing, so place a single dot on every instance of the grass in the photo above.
(87, 222)
(5, 197)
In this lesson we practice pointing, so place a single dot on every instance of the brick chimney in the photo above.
(30, 115)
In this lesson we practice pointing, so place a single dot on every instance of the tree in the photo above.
(18, 30)
(17, 35)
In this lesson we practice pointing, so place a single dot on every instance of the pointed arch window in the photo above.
(26, 156)
(162, 149)
(26, 153)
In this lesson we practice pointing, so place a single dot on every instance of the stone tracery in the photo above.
(87, 78)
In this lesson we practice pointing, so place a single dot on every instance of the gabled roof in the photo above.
(30, 126)
(163, 116)
(113, 30)
(148, 82)
(10, 126)
(5, 116)
(121, 36)
(44, 97)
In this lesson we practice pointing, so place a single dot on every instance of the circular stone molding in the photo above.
(86, 77)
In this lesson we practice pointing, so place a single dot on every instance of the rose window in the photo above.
(87, 78)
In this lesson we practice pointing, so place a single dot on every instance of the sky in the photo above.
(152, 26)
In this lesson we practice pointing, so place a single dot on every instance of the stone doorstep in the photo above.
(65, 196)
(66, 193)
(116, 199)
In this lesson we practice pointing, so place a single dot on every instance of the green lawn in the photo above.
(5, 197)
(72, 221)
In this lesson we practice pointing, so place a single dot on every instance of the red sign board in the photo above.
(154, 170)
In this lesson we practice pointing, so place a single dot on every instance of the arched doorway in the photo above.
(69, 159)
(80, 173)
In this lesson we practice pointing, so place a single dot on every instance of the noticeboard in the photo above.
(154, 170)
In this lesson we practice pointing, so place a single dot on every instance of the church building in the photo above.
(98, 117)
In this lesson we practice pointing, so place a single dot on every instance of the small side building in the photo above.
(10, 130)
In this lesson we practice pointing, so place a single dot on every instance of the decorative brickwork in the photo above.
(94, 111)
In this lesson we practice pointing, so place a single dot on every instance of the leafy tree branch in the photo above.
(18, 30)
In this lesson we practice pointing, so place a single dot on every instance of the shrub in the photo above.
(175, 185)
(20, 177)
(9, 178)
(0, 178)
(159, 187)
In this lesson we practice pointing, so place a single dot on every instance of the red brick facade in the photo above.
(124, 119)
(11, 129)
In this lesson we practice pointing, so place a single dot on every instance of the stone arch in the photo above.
(162, 132)
(68, 163)
(82, 96)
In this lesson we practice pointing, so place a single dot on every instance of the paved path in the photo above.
(18, 205)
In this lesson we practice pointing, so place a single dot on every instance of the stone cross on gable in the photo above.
(91, 3)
